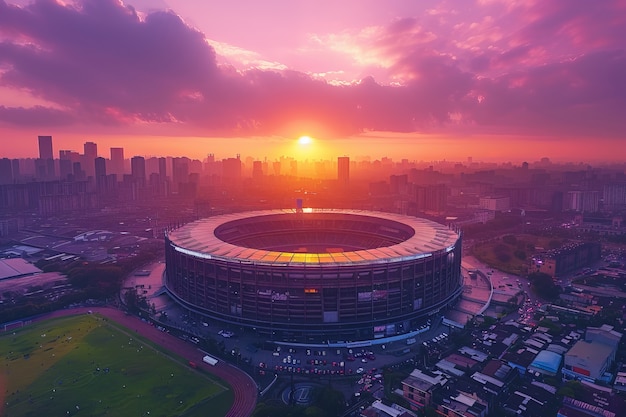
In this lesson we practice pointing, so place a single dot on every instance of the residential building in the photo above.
(419, 386)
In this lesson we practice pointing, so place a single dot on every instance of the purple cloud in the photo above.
(102, 59)
(35, 116)
(100, 62)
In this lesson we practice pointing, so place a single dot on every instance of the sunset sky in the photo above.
(509, 79)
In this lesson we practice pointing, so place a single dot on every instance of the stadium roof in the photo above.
(198, 239)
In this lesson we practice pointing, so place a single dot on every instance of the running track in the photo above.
(243, 386)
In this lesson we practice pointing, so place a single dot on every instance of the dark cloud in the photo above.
(102, 59)
(585, 96)
(35, 116)
(103, 63)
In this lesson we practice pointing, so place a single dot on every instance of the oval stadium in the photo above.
(315, 275)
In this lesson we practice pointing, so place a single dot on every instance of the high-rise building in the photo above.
(496, 203)
(45, 147)
(210, 165)
(101, 173)
(90, 155)
(138, 169)
(41, 169)
(257, 170)
(231, 169)
(163, 168)
(343, 170)
(433, 197)
(6, 171)
(91, 150)
(293, 168)
(65, 169)
(15, 164)
(69, 155)
(117, 162)
(152, 166)
(585, 201)
(614, 197)
(66, 159)
(180, 172)
(78, 172)
(398, 184)
(44, 166)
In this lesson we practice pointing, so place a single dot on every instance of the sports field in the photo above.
(88, 366)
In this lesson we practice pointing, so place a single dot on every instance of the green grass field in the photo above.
(85, 366)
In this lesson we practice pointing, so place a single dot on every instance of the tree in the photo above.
(520, 254)
(276, 410)
(131, 299)
(502, 253)
(330, 400)
(430, 411)
(543, 285)
(554, 244)
(509, 239)
(314, 411)
(103, 280)
(572, 389)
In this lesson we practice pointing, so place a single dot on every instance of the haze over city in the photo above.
(496, 80)
(282, 208)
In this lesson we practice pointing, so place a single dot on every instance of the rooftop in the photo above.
(424, 381)
(593, 353)
(547, 361)
(16, 267)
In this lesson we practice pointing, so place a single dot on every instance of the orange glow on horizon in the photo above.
(370, 146)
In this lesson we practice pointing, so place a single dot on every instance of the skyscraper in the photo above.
(90, 155)
(15, 164)
(6, 171)
(257, 170)
(231, 169)
(45, 147)
(78, 172)
(44, 166)
(162, 168)
(138, 169)
(117, 162)
(91, 149)
(101, 173)
(343, 170)
(180, 172)
(614, 196)
(65, 168)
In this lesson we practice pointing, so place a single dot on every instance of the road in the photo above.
(499, 278)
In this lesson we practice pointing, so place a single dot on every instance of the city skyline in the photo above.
(436, 80)
(116, 155)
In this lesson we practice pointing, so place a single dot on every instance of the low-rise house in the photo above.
(418, 388)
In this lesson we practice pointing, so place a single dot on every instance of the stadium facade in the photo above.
(315, 275)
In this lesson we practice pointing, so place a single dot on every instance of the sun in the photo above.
(306, 147)
(304, 140)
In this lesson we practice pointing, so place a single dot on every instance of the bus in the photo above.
(209, 359)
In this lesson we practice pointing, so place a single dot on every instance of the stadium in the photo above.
(315, 275)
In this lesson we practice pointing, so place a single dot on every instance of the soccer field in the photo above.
(87, 366)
